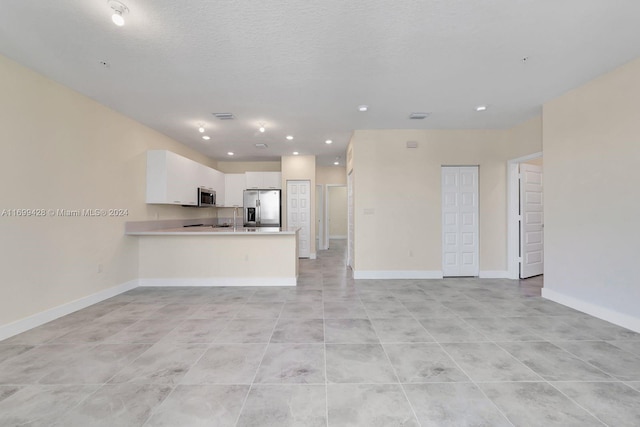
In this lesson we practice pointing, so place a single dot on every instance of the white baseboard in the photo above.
(338, 236)
(397, 274)
(620, 319)
(220, 281)
(33, 321)
(494, 274)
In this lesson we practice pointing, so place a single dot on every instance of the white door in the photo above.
(350, 220)
(531, 221)
(460, 221)
(299, 214)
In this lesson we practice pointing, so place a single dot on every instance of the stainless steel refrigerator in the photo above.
(262, 208)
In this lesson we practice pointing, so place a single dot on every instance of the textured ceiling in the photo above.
(303, 67)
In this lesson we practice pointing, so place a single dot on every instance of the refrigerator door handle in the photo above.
(259, 215)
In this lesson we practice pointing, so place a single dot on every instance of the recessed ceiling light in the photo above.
(295, 153)
(336, 163)
(230, 153)
(363, 107)
(481, 108)
(261, 128)
(328, 141)
(119, 9)
(289, 137)
(206, 137)
(201, 129)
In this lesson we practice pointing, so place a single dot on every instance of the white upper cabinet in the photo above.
(235, 184)
(264, 180)
(272, 180)
(173, 179)
(218, 185)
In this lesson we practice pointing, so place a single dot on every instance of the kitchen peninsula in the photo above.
(175, 255)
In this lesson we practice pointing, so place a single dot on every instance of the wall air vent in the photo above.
(418, 116)
(261, 145)
(224, 116)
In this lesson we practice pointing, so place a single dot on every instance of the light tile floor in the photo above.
(330, 352)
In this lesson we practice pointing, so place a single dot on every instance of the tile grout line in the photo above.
(174, 386)
(476, 384)
(324, 346)
(472, 381)
(404, 392)
(244, 402)
(577, 404)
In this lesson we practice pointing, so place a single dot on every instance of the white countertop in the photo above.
(217, 231)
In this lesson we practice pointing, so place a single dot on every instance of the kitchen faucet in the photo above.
(235, 215)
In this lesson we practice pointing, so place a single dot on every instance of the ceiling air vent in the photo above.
(224, 116)
(261, 145)
(418, 116)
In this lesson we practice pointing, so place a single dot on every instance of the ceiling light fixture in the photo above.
(206, 137)
(289, 137)
(336, 163)
(328, 141)
(363, 108)
(201, 129)
(295, 153)
(230, 153)
(119, 10)
(261, 128)
(481, 108)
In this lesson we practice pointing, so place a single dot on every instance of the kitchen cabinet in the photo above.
(219, 186)
(235, 184)
(212, 179)
(264, 180)
(171, 179)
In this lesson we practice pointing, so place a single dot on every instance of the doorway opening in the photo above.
(336, 213)
(525, 245)
(321, 243)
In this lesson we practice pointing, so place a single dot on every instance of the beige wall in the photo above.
(591, 158)
(241, 167)
(337, 220)
(397, 193)
(331, 175)
(62, 150)
(300, 168)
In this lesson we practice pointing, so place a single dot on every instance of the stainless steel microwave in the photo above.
(206, 198)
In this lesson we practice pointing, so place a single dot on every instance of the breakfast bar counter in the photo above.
(216, 256)
(210, 230)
